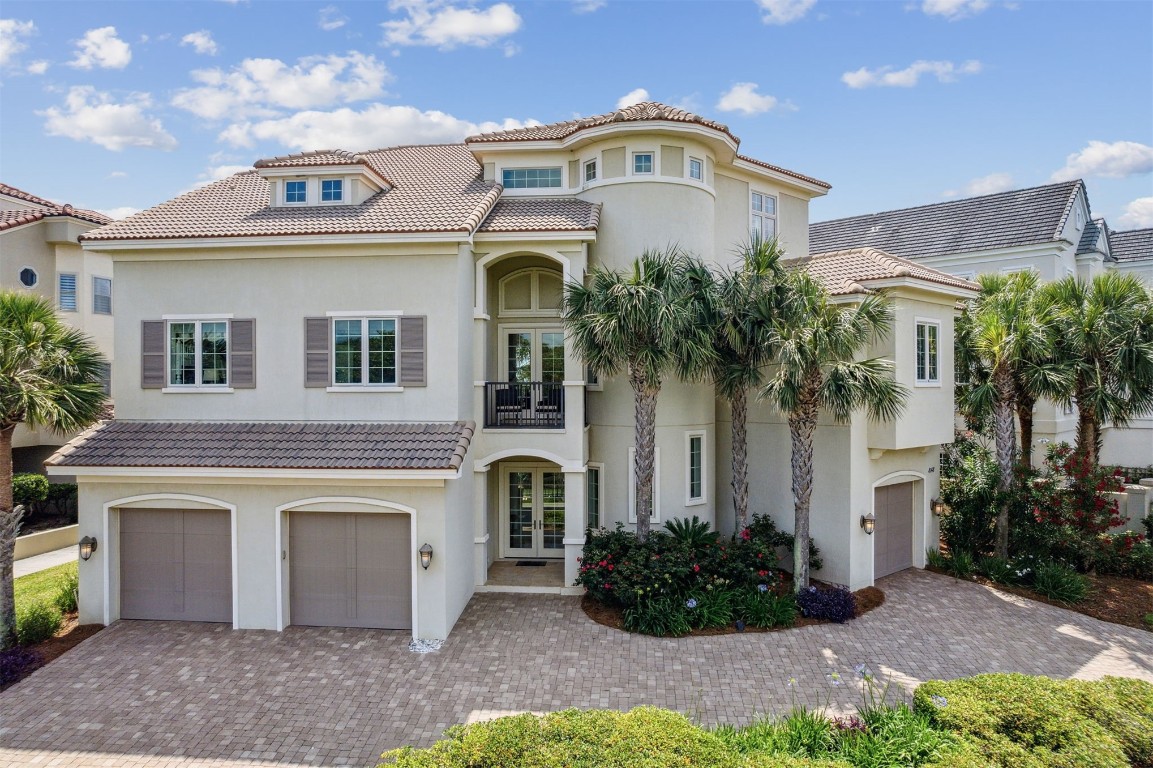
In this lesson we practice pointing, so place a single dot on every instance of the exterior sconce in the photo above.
(869, 523)
(87, 547)
(425, 556)
(937, 506)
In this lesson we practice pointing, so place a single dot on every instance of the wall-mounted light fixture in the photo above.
(869, 523)
(937, 506)
(87, 547)
(425, 556)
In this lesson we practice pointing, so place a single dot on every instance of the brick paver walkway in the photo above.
(169, 694)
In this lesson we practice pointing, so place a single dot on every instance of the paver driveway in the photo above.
(167, 694)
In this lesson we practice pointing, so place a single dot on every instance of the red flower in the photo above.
(762, 573)
(610, 566)
(746, 535)
(696, 569)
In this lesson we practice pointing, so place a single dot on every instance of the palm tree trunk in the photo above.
(9, 528)
(802, 425)
(1025, 419)
(740, 408)
(645, 398)
(1005, 434)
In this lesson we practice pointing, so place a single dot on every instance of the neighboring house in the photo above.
(339, 358)
(1047, 229)
(40, 253)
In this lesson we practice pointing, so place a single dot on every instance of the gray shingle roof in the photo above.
(1131, 245)
(1006, 219)
(1089, 237)
(270, 445)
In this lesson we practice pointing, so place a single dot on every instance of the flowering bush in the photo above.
(836, 604)
(1072, 493)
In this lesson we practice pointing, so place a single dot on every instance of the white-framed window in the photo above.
(696, 169)
(364, 351)
(67, 300)
(593, 380)
(102, 295)
(655, 517)
(642, 163)
(331, 190)
(590, 171)
(694, 468)
(928, 352)
(197, 353)
(594, 489)
(28, 277)
(296, 192)
(763, 215)
(531, 178)
(105, 378)
(531, 292)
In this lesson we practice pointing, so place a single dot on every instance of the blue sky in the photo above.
(122, 105)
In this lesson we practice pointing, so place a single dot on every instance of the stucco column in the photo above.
(480, 526)
(574, 522)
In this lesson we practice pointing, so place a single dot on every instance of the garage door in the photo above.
(176, 564)
(893, 537)
(350, 570)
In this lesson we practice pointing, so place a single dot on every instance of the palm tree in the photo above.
(1105, 347)
(49, 377)
(817, 370)
(647, 322)
(1006, 337)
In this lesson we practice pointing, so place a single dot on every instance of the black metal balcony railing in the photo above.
(524, 404)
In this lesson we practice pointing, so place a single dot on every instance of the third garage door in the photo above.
(893, 537)
(350, 570)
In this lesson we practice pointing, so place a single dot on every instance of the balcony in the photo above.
(524, 405)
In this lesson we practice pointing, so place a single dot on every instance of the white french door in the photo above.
(532, 354)
(531, 511)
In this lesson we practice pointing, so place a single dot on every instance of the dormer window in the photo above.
(295, 192)
(331, 190)
(329, 177)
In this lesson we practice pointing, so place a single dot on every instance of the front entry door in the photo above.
(532, 511)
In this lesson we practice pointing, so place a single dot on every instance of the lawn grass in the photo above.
(41, 585)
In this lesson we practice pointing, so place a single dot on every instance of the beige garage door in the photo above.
(349, 570)
(893, 537)
(176, 564)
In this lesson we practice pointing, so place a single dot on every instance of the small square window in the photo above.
(102, 295)
(294, 192)
(695, 169)
(590, 171)
(643, 163)
(331, 190)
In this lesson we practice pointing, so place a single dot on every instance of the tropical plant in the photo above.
(49, 377)
(1104, 332)
(646, 322)
(817, 370)
(693, 533)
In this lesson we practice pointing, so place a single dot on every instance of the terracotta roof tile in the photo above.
(270, 445)
(15, 217)
(849, 271)
(647, 110)
(785, 171)
(315, 157)
(542, 215)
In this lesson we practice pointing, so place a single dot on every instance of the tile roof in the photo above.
(41, 209)
(646, 110)
(315, 157)
(269, 445)
(845, 272)
(1006, 219)
(542, 215)
(1131, 245)
(785, 171)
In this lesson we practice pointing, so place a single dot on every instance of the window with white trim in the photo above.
(364, 351)
(295, 191)
(198, 353)
(592, 380)
(694, 468)
(696, 169)
(531, 178)
(331, 190)
(102, 295)
(763, 215)
(594, 482)
(928, 352)
(590, 171)
(642, 163)
(105, 378)
(655, 517)
(67, 300)
(28, 277)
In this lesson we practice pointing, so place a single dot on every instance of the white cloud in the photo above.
(1138, 214)
(1115, 161)
(12, 34)
(784, 11)
(202, 41)
(118, 175)
(743, 98)
(37, 67)
(984, 185)
(437, 23)
(89, 115)
(123, 212)
(635, 96)
(954, 9)
(944, 71)
(263, 87)
(378, 125)
(331, 18)
(588, 6)
(101, 48)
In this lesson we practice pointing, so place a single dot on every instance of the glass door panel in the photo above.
(520, 356)
(520, 513)
(552, 512)
(552, 357)
(532, 512)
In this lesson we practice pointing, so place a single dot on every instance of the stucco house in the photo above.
(1047, 229)
(344, 395)
(40, 253)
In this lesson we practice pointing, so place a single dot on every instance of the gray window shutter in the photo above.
(412, 351)
(242, 354)
(316, 351)
(152, 368)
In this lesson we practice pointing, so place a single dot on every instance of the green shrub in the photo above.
(960, 564)
(998, 569)
(29, 488)
(763, 529)
(1124, 707)
(765, 609)
(969, 477)
(36, 622)
(806, 733)
(1147, 620)
(711, 607)
(67, 592)
(693, 533)
(1124, 554)
(1058, 582)
(664, 616)
(893, 736)
(935, 558)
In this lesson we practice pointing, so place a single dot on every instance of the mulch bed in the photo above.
(612, 616)
(1115, 599)
(70, 635)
